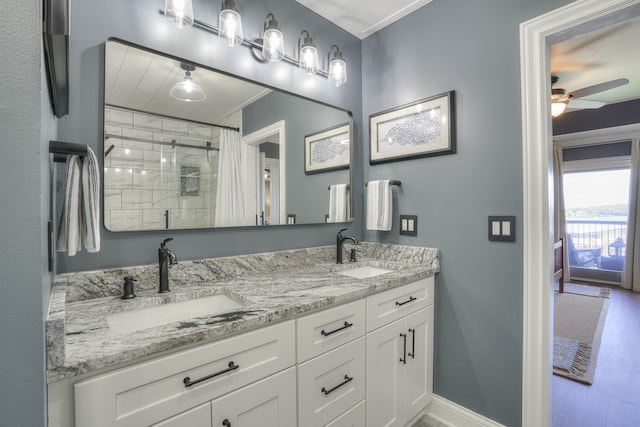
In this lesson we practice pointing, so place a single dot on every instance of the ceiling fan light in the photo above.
(230, 23)
(557, 108)
(179, 12)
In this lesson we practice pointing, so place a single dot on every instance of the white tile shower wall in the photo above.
(142, 179)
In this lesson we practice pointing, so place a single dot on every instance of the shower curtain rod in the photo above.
(173, 143)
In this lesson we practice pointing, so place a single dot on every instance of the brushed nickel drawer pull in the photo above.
(346, 325)
(411, 299)
(188, 383)
(347, 379)
(404, 347)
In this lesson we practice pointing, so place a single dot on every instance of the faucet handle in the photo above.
(164, 242)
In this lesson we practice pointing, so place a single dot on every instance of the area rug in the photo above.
(579, 317)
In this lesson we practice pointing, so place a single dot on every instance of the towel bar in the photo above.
(348, 187)
(392, 182)
(62, 149)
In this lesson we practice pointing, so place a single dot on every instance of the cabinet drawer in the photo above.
(270, 402)
(331, 384)
(152, 391)
(196, 417)
(393, 304)
(354, 417)
(329, 329)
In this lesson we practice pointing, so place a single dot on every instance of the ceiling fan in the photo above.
(560, 99)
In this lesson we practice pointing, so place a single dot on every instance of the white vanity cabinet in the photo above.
(331, 365)
(155, 391)
(399, 353)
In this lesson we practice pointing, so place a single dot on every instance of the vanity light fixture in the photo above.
(187, 90)
(308, 53)
(272, 40)
(337, 67)
(179, 12)
(230, 23)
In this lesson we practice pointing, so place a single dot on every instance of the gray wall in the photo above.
(302, 118)
(139, 22)
(473, 48)
(619, 114)
(25, 124)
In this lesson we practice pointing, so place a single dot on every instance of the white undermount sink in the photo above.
(136, 320)
(364, 272)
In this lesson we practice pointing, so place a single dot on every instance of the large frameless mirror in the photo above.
(186, 146)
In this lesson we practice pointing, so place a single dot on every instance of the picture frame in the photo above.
(327, 150)
(422, 128)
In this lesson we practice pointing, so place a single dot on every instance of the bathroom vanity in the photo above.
(310, 343)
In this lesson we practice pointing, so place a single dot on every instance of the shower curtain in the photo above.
(631, 271)
(229, 197)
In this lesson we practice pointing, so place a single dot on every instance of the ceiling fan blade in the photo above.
(585, 103)
(600, 87)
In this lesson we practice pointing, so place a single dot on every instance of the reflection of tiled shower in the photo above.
(144, 181)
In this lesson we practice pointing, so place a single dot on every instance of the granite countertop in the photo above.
(271, 287)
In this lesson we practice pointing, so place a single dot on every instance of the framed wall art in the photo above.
(420, 129)
(327, 150)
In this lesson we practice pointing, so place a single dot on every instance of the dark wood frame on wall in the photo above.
(340, 129)
(56, 51)
(398, 120)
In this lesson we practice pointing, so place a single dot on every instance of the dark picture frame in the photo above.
(422, 128)
(327, 150)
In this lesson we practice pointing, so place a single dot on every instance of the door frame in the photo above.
(535, 38)
(253, 140)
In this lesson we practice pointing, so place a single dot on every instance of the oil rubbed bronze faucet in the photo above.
(166, 257)
(340, 239)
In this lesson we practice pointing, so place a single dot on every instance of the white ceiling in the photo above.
(140, 80)
(363, 17)
(605, 54)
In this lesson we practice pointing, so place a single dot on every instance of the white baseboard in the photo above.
(454, 415)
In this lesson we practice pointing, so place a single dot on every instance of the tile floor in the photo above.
(426, 421)
(614, 398)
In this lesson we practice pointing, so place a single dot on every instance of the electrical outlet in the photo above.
(409, 225)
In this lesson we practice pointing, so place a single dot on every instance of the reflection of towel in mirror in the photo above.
(91, 202)
(379, 205)
(80, 216)
(338, 203)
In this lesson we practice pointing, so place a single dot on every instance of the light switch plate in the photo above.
(409, 225)
(502, 228)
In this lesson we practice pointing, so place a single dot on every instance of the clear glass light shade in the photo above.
(230, 26)
(187, 90)
(309, 58)
(179, 12)
(338, 71)
(557, 108)
(273, 45)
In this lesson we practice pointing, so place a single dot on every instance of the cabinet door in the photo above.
(196, 417)
(385, 349)
(418, 373)
(270, 402)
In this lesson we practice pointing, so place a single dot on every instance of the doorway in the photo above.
(535, 36)
(264, 154)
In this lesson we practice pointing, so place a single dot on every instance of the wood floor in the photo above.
(614, 398)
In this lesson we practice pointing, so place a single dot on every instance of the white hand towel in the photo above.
(379, 205)
(91, 202)
(69, 227)
(338, 205)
